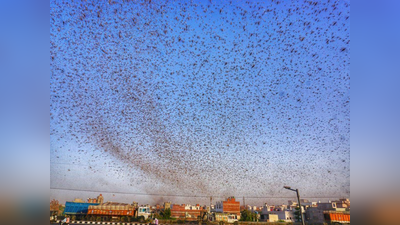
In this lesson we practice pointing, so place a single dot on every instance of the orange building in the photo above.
(186, 212)
(229, 206)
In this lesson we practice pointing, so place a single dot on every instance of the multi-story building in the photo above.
(225, 217)
(287, 216)
(343, 203)
(167, 205)
(187, 212)
(269, 217)
(100, 199)
(329, 212)
(314, 215)
(280, 208)
(229, 206)
(331, 206)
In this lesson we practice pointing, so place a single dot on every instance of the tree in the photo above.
(297, 214)
(247, 215)
(166, 214)
(61, 210)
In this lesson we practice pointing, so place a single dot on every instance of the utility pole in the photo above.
(244, 203)
(298, 199)
(301, 210)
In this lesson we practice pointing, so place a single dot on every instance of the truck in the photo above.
(335, 217)
(144, 211)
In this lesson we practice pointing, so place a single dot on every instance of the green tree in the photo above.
(297, 214)
(166, 214)
(247, 215)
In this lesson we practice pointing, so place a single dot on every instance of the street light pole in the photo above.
(301, 211)
(298, 199)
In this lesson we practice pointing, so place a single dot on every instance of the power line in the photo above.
(186, 196)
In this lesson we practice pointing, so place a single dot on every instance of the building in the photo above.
(186, 212)
(315, 215)
(269, 217)
(167, 205)
(225, 217)
(280, 208)
(330, 206)
(328, 212)
(287, 216)
(292, 203)
(92, 200)
(229, 206)
(100, 199)
(306, 205)
(343, 203)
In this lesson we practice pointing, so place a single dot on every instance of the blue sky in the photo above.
(213, 98)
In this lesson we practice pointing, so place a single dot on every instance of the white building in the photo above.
(287, 216)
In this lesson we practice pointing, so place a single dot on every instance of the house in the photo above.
(186, 212)
(287, 216)
(269, 217)
(229, 206)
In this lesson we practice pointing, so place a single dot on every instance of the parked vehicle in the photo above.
(144, 211)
